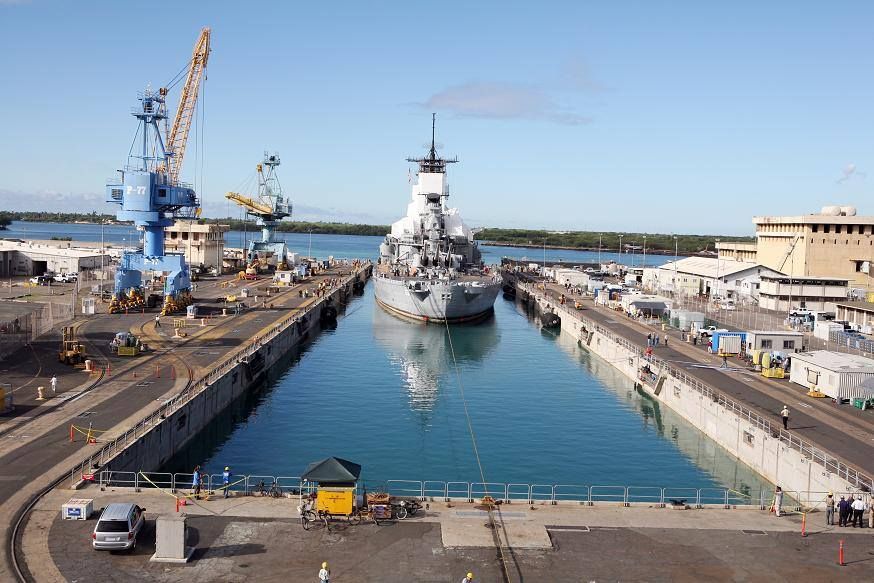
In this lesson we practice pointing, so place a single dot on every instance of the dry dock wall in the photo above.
(805, 472)
(171, 432)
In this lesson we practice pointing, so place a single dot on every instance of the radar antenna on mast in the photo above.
(432, 163)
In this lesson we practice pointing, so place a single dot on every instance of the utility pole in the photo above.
(644, 251)
(620, 248)
(543, 268)
(676, 258)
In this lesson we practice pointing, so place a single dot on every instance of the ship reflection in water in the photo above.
(422, 354)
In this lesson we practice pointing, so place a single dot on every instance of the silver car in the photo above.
(118, 527)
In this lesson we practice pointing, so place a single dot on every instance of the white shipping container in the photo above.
(729, 344)
(822, 329)
(835, 374)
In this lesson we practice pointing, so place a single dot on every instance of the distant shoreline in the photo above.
(595, 249)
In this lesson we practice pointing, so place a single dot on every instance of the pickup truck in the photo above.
(66, 277)
(708, 331)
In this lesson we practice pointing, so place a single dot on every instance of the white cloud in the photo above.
(502, 101)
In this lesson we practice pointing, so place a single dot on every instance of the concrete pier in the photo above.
(131, 401)
(828, 450)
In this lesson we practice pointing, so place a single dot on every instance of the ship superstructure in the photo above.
(430, 266)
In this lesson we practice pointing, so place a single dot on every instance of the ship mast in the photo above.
(432, 163)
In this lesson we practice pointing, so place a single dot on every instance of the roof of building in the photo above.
(837, 361)
(332, 469)
(711, 267)
(818, 219)
(804, 279)
(858, 305)
(45, 249)
(776, 332)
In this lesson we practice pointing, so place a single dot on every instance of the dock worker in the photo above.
(226, 479)
(830, 509)
(778, 500)
(724, 361)
(785, 415)
(196, 481)
(324, 573)
(858, 511)
(666, 340)
(843, 511)
(54, 382)
(157, 320)
(467, 578)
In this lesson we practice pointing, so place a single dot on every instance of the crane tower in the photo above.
(150, 193)
(268, 209)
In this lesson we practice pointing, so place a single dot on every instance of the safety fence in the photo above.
(856, 478)
(440, 491)
(112, 448)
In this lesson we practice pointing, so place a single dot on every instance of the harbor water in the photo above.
(316, 245)
(385, 393)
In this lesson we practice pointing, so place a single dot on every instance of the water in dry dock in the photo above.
(383, 392)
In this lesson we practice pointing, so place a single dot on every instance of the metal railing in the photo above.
(111, 449)
(506, 493)
(831, 464)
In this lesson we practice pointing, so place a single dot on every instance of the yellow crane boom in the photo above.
(249, 204)
(187, 101)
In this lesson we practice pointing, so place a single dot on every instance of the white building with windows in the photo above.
(708, 276)
(783, 293)
(202, 244)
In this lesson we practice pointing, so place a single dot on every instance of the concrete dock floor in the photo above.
(261, 539)
(34, 441)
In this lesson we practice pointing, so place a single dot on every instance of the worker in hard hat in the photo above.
(226, 480)
(468, 578)
(324, 573)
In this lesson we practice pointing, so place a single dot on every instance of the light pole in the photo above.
(644, 251)
(310, 248)
(543, 267)
(599, 250)
(620, 249)
(676, 258)
(717, 269)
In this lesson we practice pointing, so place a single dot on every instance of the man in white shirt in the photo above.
(859, 511)
(54, 382)
(324, 573)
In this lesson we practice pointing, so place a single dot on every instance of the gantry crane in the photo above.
(269, 208)
(151, 195)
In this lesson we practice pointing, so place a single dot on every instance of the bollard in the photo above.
(157, 372)
(108, 369)
(71, 434)
(841, 555)
(803, 524)
(40, 393)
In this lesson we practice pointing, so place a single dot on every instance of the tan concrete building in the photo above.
(836, 242)
(737, 251)
(202, 244)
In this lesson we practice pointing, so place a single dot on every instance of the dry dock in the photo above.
(129, 399)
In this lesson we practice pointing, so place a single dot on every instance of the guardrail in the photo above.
(439, 491)
(831, 464)
(108, 451)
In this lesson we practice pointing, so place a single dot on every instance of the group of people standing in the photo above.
(852, 508)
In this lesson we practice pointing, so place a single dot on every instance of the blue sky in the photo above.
(649, 116)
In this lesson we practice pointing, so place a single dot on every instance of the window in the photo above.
(815, 228)
(767, 344)
(859, 265)
(837, 228)
(789, 344)
(184, 236)
(749, 438)
(162, 192)
(812, 377)
(826, 228)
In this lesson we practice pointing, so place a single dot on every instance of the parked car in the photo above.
(118, 527)
(67, 277)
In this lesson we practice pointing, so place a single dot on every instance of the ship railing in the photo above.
(831, 464)
(504, 493)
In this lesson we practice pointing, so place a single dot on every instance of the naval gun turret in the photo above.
(269, 208)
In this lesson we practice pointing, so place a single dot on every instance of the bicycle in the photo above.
(307, 516)
(274, 491)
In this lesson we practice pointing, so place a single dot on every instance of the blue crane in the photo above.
(151, 195)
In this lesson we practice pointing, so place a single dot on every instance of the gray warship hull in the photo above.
(437, 301)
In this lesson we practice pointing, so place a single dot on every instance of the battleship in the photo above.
(430, 268)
